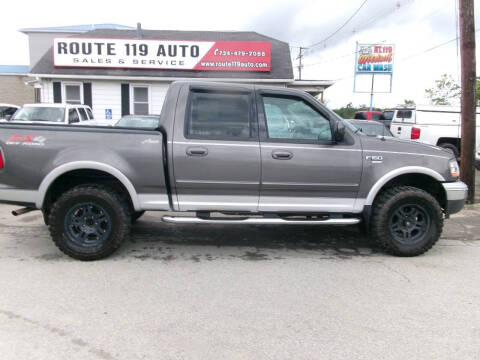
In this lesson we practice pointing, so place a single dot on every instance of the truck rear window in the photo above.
(218, 116)
(404, 114)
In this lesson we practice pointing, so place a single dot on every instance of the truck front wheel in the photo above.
(89, 222)
(406, 221)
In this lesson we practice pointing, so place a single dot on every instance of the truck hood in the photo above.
(401, 145)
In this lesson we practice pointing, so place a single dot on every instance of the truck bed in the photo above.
(42, 152)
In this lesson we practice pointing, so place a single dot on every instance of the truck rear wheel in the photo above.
(406, 221)
(89, 222)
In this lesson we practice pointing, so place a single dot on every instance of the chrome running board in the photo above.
(258, 221)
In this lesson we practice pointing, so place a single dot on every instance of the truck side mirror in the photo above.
(339, 131)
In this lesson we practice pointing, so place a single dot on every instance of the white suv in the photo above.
(53, 113)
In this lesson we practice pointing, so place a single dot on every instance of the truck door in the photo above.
(216, 150)
(303, 169)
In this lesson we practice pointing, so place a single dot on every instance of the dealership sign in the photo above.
(162, 54)
(374, 58)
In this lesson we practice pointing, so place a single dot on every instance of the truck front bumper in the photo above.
(456, 196)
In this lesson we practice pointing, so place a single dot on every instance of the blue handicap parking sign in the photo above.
(108, 114)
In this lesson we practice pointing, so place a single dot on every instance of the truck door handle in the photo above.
(196, 151)
(282, 155)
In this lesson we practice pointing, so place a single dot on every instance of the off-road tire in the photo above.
(45, 216)
(114, 205)
(385, 206)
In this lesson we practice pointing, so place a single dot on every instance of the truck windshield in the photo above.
(53, 114)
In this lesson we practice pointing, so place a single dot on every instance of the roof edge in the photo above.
(155, 78)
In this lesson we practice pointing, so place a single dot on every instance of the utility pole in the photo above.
(468, 108)
(299, 58)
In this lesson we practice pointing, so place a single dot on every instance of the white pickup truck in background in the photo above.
(434, 125)
(53, 114)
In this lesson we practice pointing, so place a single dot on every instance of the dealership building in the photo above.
(120, 70)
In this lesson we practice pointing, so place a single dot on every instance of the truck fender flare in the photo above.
(397, 172)
(85, 165)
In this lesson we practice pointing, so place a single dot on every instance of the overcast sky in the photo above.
(414, 26)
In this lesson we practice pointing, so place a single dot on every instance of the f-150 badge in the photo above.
(375, 158)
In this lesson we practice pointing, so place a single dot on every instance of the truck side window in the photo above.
(73, 116)
(83, 114)
(404, 114)
(294, 119)
(90, 115)
(218, 116)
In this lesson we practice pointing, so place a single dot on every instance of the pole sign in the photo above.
(374, 58)
(371, 62)
(162, 54)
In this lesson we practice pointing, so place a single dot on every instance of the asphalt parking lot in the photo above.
(232, 292)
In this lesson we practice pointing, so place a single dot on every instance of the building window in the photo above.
(38, 95)
(140, 100)
(72, 93)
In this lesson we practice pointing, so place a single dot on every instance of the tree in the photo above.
(445, 91)
(346, 112)
(409, 102)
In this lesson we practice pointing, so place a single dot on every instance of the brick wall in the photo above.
(14, 91)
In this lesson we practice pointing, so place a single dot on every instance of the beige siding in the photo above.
(14, 91)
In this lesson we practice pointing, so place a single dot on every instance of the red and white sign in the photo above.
(162, 54)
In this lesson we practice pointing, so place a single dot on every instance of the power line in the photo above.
(432, 48)
(372, 20)
(331, 59)
(341, 27)
(413, 55)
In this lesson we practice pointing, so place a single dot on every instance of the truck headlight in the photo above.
(454, 169)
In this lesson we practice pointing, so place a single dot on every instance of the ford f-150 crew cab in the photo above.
(231, 154)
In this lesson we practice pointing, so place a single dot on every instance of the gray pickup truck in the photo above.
(229, 154)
